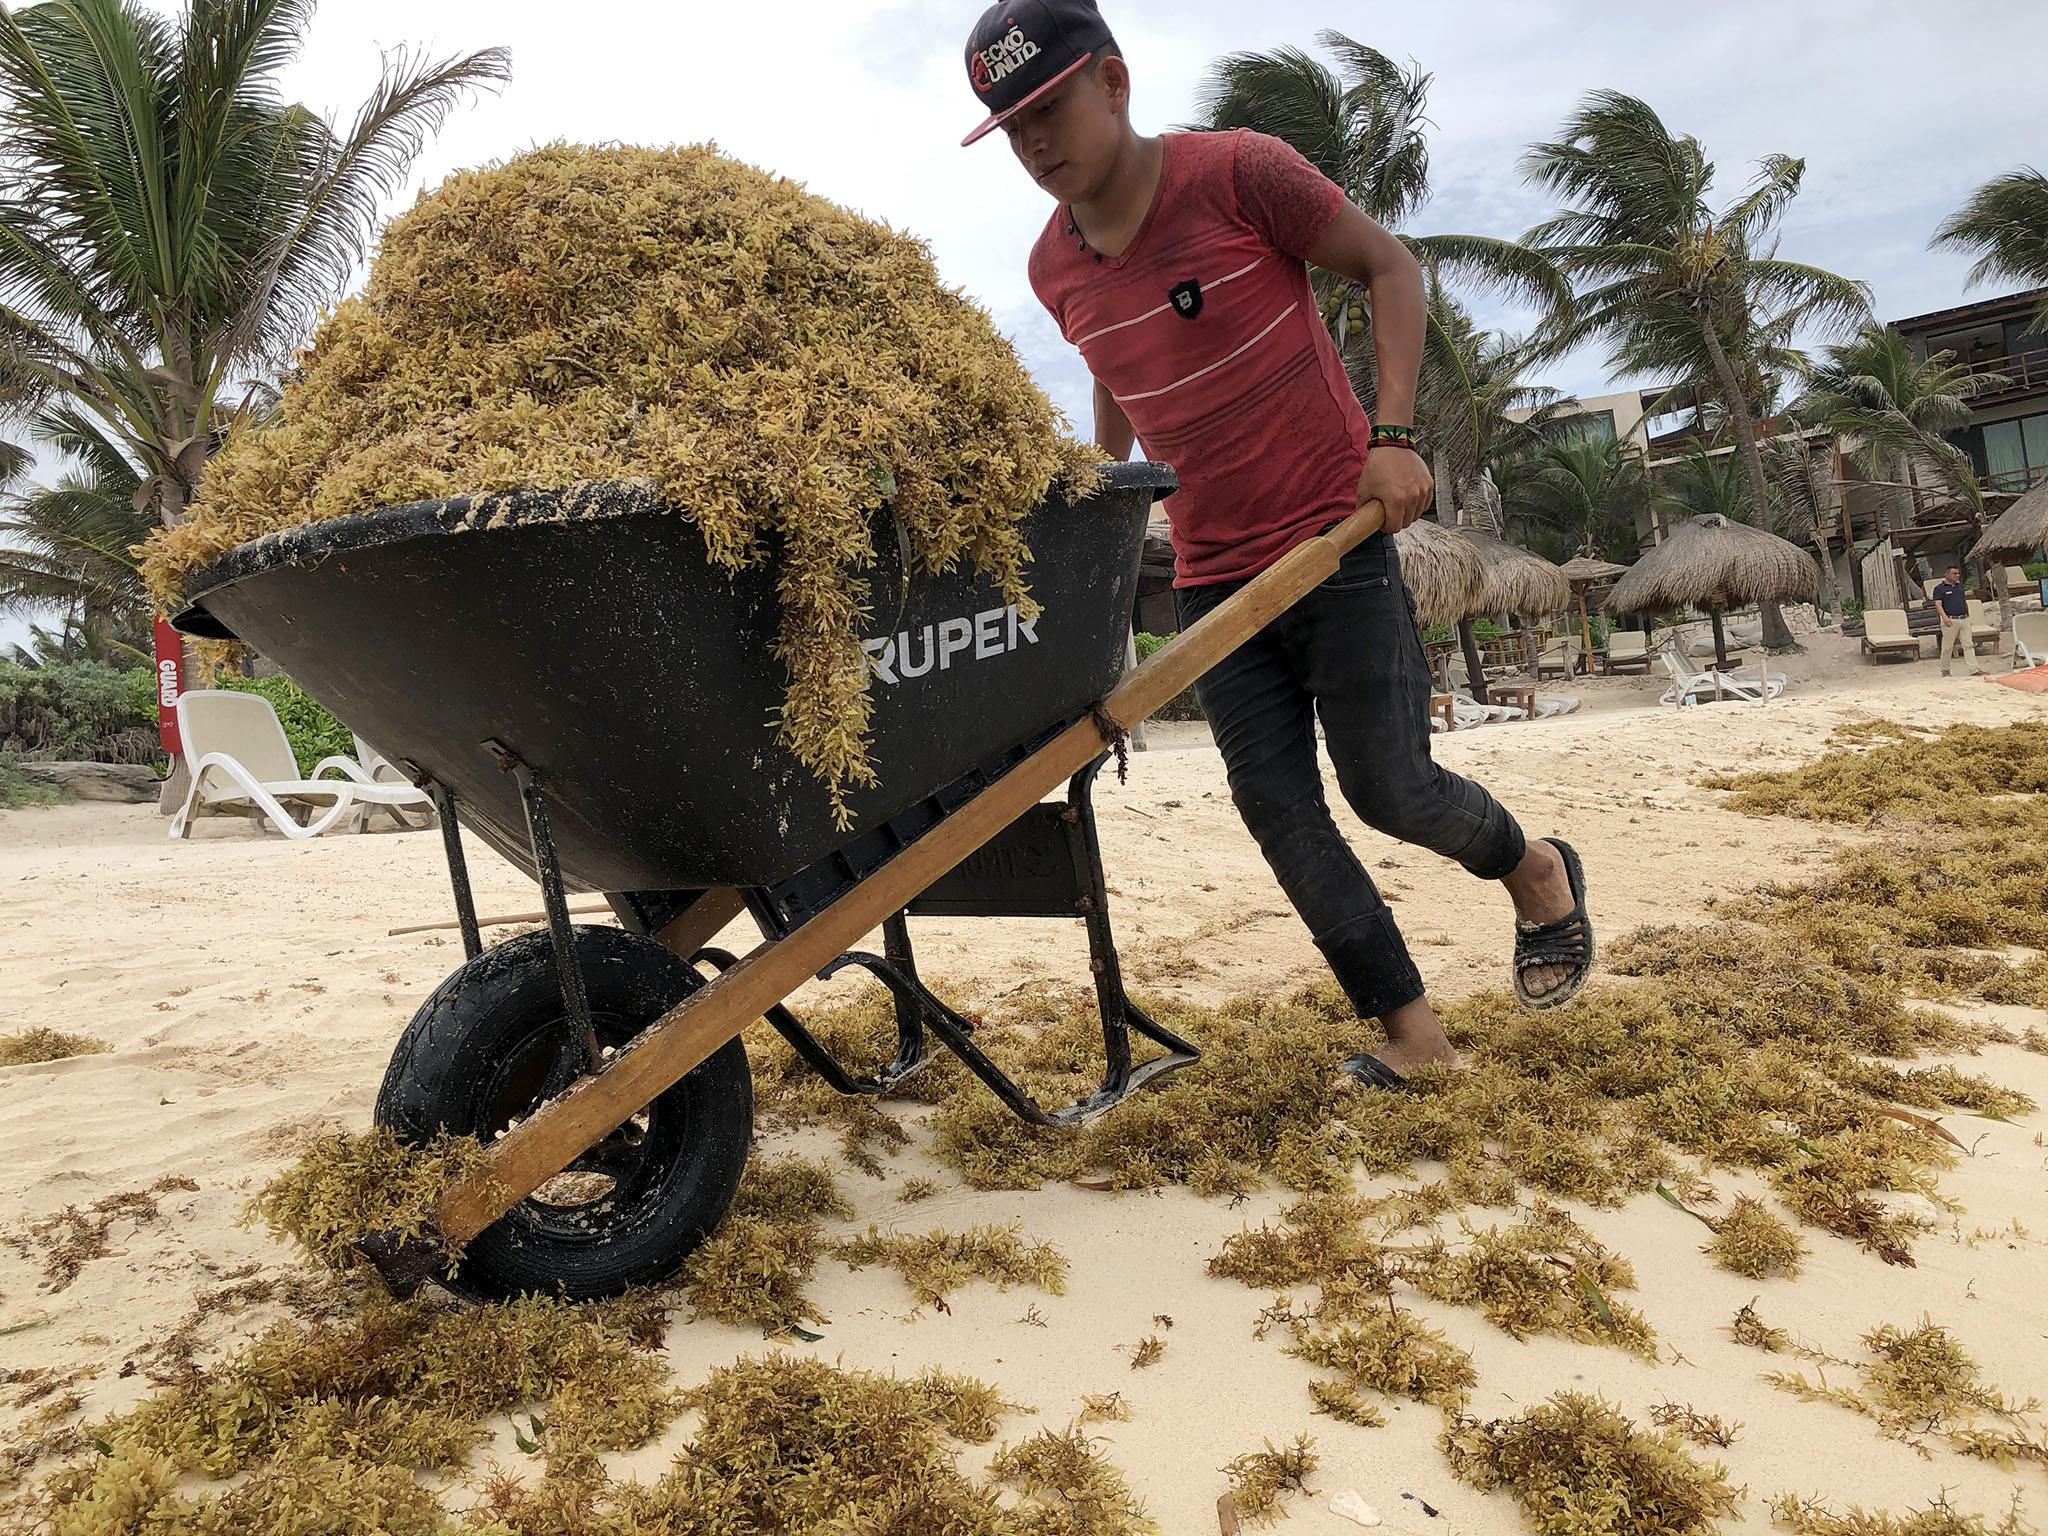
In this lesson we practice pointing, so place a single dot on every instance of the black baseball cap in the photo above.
(1021, 49)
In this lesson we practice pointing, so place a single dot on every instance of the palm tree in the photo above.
(1578, 495)
(170, 224)
(1804, 494)
(1361, 124)
(2005, 223)
(66, 547)
(1668, 281)
(1899, 408)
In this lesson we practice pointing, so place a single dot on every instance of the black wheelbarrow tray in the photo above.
(571, 679)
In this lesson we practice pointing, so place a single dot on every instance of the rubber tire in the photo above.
(442, 1077)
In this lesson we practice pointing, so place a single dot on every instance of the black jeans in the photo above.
(1350, 652)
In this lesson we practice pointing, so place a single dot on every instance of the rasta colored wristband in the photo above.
(1394, 437)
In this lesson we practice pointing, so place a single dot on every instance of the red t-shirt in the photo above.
(1207, 333)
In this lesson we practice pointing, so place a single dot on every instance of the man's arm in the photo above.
(1114, 433)
(1356, 247)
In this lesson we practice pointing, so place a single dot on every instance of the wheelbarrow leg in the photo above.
(539, 1147)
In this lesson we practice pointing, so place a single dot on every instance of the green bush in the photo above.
(312, 731)
(1183, 705)
(2036, 569)
(18, 791)
(1851, 609)
(78, 711)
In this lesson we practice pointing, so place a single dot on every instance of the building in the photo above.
(2007, 438)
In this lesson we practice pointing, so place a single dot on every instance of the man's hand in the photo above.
(1400, 481)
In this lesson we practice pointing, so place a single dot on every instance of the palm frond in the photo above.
(2005, 222)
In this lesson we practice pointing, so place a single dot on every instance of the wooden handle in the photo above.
(539, 1147)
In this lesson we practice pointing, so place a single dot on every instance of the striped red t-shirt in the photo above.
(1207, 333)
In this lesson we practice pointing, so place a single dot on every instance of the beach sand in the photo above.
(251, 996)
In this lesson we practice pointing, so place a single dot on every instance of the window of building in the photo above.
(2016, 452)
(1595, 427)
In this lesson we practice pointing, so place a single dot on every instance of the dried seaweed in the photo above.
(1751, 1240)
(343, 1187)
(1750, 1329)
(1920, 1382)
(777, 369)
(751, 1271)
(1577, 1466)
(1393, 1352)
(65, 1241)
(935, 1263)
(1699, 1428)
(28, 1046)
(1071, 1489)
(1809, 1517)
(1544, 1274)
(1261, 1480)
(1910, 775)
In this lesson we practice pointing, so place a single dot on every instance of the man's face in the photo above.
(1067, 139)
(1955, 574)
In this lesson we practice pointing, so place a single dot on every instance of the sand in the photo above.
(251, 997)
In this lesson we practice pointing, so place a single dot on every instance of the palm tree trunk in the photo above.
(172, 500)
(1473, 667)
(1446, 499)
(1777, 637)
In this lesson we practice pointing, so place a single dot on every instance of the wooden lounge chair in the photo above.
(1560, 656)
(2017, 583)
(1885, 633)
(1983, 625)
(1626, 648)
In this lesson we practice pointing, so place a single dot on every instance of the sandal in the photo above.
(1370, 1072)
(1566, 941)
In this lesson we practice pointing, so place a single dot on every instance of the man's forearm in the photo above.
(1398, 319)
(1114, 434)
(1356, 247)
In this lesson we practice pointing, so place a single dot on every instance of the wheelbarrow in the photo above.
(580, 687)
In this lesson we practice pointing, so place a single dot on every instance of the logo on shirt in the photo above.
(1187, 298)
(1005, 56)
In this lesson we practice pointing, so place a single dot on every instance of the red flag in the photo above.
(170, 677)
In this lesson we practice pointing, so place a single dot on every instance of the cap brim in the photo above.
(997, 120)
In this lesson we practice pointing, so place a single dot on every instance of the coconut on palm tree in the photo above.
(2005, 223)
(170, 223)
(1362, 125)
(1669, 281)
(66, 547)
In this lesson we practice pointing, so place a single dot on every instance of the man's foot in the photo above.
(1542, 893)
(1415, 1039)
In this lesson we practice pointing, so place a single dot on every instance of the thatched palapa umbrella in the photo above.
(2018, 531)
(1518, 583)
(1448, 580)
(1582, 571)
(1713, 565)
(1444, 572)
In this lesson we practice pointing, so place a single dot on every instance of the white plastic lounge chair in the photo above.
(242, 765)
(2030, 639)
(1983, 625)
(1626, 648)
(1886, 633)
(1691, 687)
(1555, 704)
(371, 767)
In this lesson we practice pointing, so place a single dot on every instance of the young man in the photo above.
(1177, 264)
(1953, 603)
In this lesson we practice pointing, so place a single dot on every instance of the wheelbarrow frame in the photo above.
(803, 938)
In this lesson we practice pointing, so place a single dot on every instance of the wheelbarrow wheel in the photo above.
(493, 1043)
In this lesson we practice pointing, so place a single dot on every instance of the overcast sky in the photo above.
(1899, 108)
